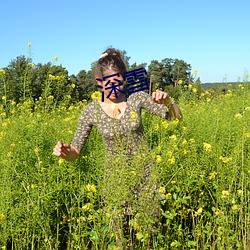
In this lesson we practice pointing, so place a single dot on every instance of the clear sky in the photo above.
(213, 36)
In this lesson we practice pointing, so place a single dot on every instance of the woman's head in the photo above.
(110, 60)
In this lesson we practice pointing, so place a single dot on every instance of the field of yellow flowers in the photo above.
(203, 163)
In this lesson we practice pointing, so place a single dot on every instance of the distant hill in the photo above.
(217, 85)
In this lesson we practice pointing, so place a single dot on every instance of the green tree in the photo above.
(50, 80)
(86, 84)
(168, 72)
(181, 71)
(18, 79)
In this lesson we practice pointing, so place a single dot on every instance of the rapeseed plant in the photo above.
(60, 203)
(225, 159)
(207, 147)
(95, 96)
(225, 193)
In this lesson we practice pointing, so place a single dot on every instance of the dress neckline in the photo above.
(112, 116)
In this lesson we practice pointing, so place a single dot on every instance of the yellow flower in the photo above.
(50, 97)
(158, 159)
(218, 212)
(37, 150)
(51, 77)
(87, 207)
(171, 160)
(175, 122)
(56, 58)
(173, 137)
(238, 116)
(190, 86)
(225, 193)
(13, 103)
(2, 72)
(134, 116)
(207, 147)
(90, 217)
(168, 196)
(180, 82)
(33, 66)
(3, 97)
(164, 124)
(191, 140)
(194, 90)
(162, 190)
(184, 141)
(198, 212)
(29, 44)
(91, 188)
(156, 127)
(212, 175)
(73, 85)
(108, 215)
(133, 173)
(235, 207)
(247, 108)
(195, 71)
(239, 192)
(96, 96)
(225, 159)
(33, 186)
(61, 161)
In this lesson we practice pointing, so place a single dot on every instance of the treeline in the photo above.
(22, 79)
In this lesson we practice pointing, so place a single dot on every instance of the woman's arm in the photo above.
(163, 98)
(70, 152)
(159, 104)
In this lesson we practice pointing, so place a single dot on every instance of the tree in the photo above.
(18, 79)
(168, 72)
(86, 84)
(50, 79)
(181, 71)
(135, 66)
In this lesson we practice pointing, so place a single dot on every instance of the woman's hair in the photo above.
(111, 59)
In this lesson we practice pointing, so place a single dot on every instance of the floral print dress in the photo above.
(137, 187)
(127, 130)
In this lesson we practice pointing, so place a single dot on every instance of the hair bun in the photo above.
(112, 52)
(103, 55)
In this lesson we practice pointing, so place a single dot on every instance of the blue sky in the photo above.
(212, 36)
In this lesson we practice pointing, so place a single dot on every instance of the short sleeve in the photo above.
(84, 127)
(147, 103)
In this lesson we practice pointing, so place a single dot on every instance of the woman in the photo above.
(118, 119)
(118, 108)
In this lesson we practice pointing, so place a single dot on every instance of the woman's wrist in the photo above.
(169, 102)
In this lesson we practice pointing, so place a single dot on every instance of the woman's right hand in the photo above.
(66, 151)
(62, 149)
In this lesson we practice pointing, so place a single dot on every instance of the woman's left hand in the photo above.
(161, 97)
